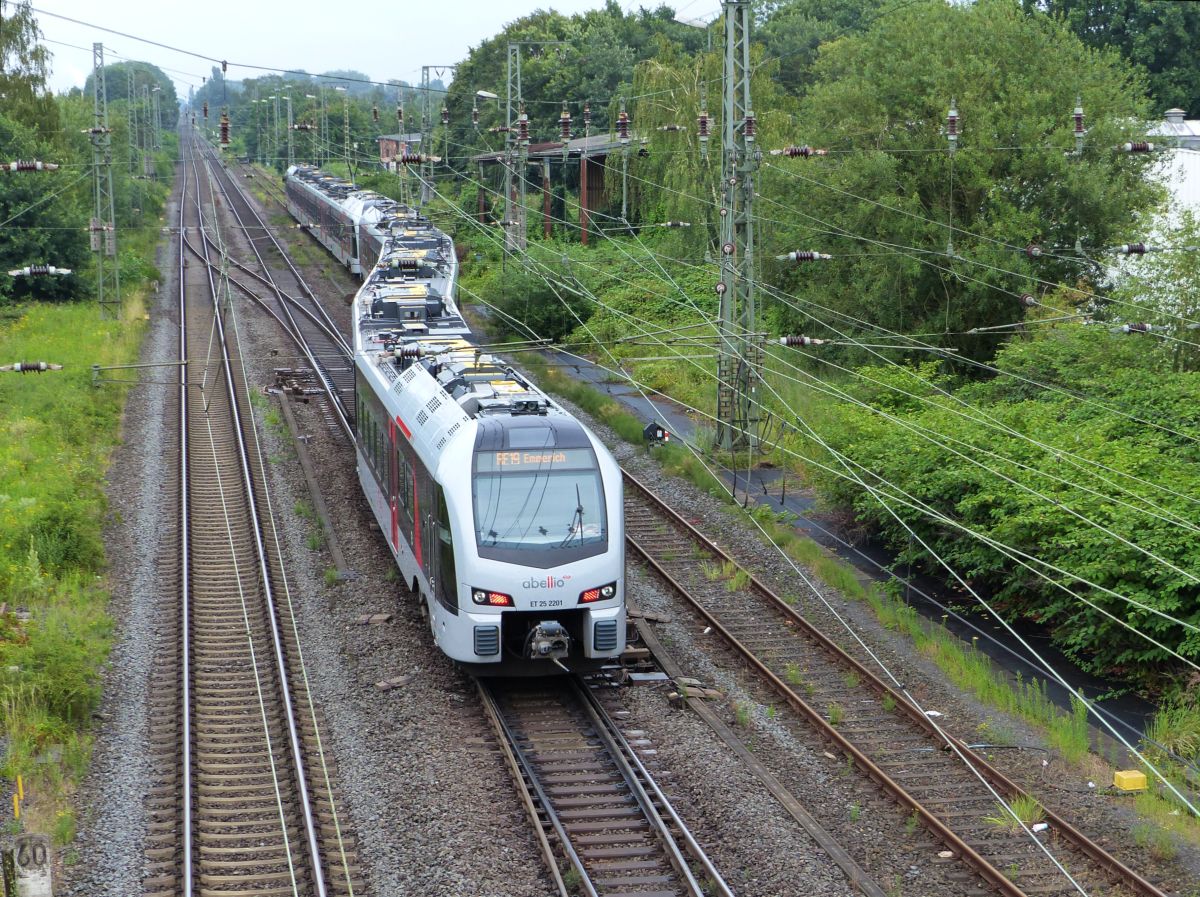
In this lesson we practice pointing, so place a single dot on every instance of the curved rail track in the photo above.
(925, 770)
(587, 785)
(320, 339)
(248, 806)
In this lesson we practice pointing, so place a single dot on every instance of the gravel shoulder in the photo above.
(107, 855)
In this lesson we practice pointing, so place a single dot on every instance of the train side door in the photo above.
(448, 588)
(428, 525)
(394, 482)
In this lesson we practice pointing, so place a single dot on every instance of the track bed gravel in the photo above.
(1025, 757)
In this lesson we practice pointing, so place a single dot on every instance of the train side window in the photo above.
(371, 440)
(380, 455)
(404, 476)
(449, 579)
(375, 443)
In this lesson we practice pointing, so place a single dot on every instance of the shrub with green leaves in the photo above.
(925, 432)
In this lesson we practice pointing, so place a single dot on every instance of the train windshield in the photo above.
(539, 503)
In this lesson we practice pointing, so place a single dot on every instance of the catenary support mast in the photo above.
(103, 224)
(740, 355)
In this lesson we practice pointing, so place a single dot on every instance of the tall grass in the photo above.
(56, 433)
(972, 670)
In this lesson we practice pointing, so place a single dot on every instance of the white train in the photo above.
(504, 512)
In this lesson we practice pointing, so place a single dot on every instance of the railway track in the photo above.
(246, 805)
(930, 774)
(322, 341)
(591, 793)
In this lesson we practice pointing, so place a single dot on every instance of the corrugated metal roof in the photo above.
(1185, 132)
(592, 145)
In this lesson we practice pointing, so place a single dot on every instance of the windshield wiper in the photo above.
(576, 524)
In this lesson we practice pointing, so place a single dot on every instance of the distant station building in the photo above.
(1183, 131)
(392, 145)
(586, 161)
(1180, 168)
(1177, 168)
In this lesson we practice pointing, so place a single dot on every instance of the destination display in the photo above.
(533, 459)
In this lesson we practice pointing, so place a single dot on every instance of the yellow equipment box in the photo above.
(1129, 780)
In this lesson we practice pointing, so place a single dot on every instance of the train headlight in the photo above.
(490, 598)
(599, 593)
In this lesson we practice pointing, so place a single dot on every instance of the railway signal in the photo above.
(655, 434)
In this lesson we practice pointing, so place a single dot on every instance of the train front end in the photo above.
(542, 575)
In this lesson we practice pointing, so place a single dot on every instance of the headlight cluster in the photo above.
(493, 599)
(599, 593)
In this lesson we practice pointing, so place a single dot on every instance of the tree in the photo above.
(991, 482)
(792, 32)
(41, 224)
(674, 182)
(593, 63)
(1163, 38)
(883, 201)
(1166, 287)
(24, 67)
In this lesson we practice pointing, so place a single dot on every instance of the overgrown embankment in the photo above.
(56, 433)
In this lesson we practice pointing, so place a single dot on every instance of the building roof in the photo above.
(592, 145)
(401, 138)
(1184, 131)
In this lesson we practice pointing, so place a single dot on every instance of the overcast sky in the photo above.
(384, 41)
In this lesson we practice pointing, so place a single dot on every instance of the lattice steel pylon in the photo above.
(147, 139)
(154, 93)
(516, 135)
(104, 225)
(739, 359)
(132, 123)
(426, 149)
(514, 189)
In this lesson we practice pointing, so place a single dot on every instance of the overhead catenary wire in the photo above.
(1056, 452)
(908, 695)
(958, 256)
(708, 373)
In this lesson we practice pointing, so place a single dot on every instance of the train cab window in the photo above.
(539, 506)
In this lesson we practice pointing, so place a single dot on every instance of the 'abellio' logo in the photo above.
(549, 582)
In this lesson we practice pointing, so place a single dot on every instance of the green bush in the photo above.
(1000, 502)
